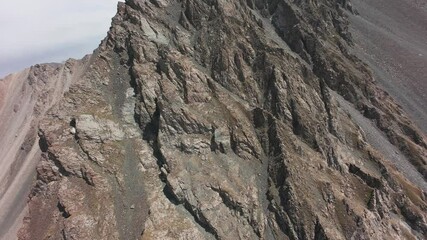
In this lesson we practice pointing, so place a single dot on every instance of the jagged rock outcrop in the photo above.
(200, 119)
(25, 97)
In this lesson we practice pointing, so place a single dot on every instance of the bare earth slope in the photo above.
(227, 119)
(24, 99)
(391, 35)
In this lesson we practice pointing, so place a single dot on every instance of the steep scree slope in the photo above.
(24, 98)
(391, 36)
(222, 119)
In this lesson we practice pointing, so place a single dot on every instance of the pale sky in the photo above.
(38, 31)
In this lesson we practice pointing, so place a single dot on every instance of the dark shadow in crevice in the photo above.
(43, 144)
(61, 208)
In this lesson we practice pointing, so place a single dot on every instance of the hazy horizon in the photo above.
(51, 31)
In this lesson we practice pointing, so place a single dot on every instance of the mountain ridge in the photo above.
(195, 120)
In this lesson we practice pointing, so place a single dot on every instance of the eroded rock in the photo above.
(216, 120)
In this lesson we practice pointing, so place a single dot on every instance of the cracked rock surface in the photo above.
(227, 119)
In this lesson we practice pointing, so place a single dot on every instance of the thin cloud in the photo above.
(51, 30)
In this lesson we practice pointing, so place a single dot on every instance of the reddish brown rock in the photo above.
(227, 120)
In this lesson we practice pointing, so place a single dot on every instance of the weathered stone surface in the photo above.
(226, 120)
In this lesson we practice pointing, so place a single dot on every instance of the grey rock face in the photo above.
(217, 120)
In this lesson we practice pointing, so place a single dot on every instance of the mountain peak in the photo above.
(204, 119)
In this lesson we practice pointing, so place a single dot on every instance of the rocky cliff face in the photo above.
(202, 119)
(25, 97)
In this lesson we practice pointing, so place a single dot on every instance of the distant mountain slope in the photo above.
(391, 36)
(25, 97)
